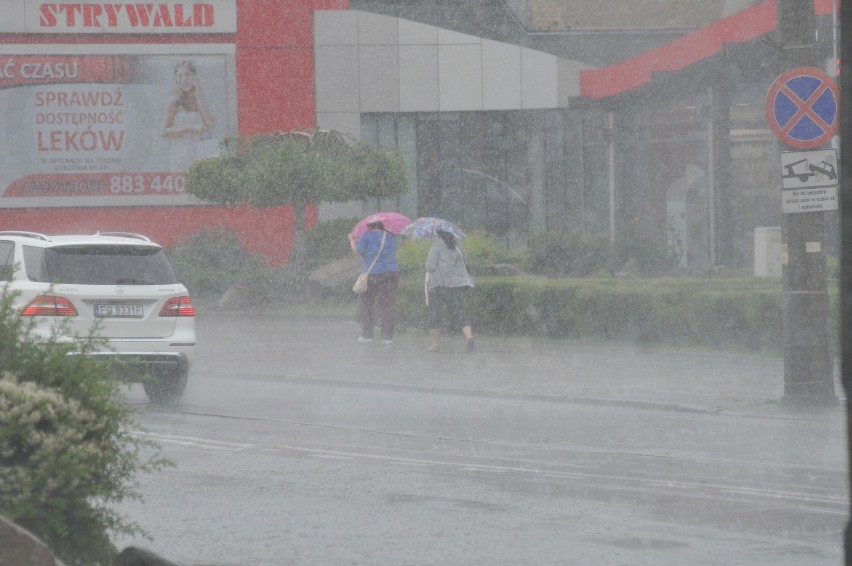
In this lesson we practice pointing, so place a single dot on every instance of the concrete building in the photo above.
(622, 120)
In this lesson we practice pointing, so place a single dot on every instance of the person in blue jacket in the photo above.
(383, 281)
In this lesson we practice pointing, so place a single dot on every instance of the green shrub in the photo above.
(411, 256)
(832, 263)
(677, 311)
(559, 254)
(270, 283)
(327, 241)
(212, 261)
(215, 260)
(67, 452)
(653, 259)
(482, 250)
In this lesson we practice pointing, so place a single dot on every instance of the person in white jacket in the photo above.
(447, 282)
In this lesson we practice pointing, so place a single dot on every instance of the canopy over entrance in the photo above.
(693, 47)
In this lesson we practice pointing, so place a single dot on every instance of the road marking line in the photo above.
(205, 443)
(619, 482)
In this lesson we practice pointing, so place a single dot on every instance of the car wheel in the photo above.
(166, 387)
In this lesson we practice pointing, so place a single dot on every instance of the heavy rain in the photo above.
(603, 319)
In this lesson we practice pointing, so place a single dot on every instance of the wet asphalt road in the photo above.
(294, 445)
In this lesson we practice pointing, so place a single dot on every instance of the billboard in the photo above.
(109, 129)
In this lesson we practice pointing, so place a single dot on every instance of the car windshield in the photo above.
(99, 265)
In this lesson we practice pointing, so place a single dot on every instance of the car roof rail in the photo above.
(25, 234)
(124, 235)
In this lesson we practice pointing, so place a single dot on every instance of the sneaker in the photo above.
(470, 345)
(362, 340)
(387, 342)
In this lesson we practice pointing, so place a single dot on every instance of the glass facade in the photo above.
(515, 173)
(509, 173)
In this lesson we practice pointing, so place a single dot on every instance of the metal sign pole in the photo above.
(846, 247)
(808, 371)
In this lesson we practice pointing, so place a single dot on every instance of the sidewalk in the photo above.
(681, 379)
(602, 373)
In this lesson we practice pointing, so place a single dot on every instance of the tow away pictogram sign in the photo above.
(802, 108)
(809, 180)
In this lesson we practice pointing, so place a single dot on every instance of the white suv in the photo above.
(120, 280)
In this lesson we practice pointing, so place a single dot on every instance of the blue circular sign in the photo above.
(802, 107)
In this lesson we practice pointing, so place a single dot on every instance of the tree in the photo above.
(297, 169)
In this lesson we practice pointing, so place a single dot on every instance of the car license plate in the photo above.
(118, 311)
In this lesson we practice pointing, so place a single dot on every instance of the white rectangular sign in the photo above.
(809, 200)
(119, 17)
(809, 169)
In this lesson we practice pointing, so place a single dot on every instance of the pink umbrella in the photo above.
(393, 222)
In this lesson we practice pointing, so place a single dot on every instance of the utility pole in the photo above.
(846, 250)
(808, 369)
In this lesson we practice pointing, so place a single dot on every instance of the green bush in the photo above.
(212, 261)
(482, 250)
(558, 254)
(677, 311)
(832, 263)
(270, 283)
(653, 259)
(327, 241)
(67, 452)
(411, 256)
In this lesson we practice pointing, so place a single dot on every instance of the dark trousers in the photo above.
(449, 302)
(384, 286)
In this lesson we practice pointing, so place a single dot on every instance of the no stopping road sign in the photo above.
(802, 107)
